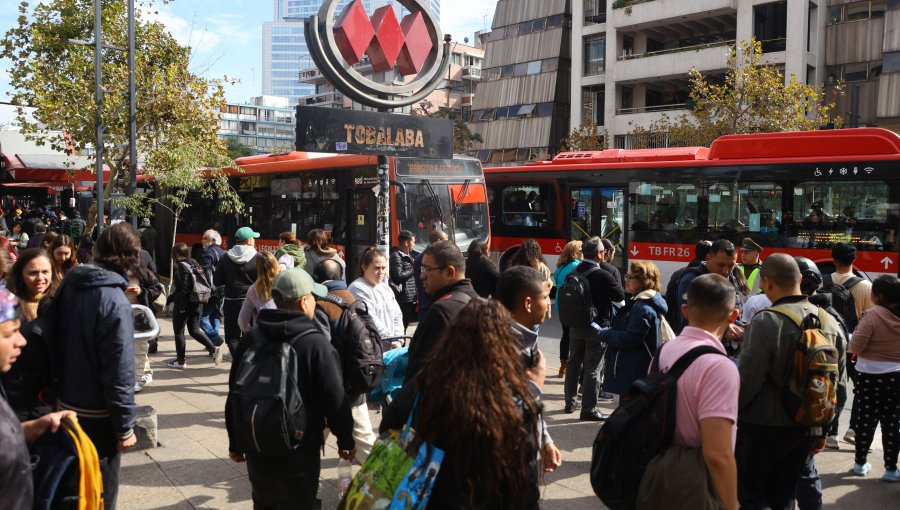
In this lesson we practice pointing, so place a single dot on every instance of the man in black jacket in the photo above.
(292, 480)
(236, 272)
(402, 278)
(96, 349)
(585, 348)
(443, 276)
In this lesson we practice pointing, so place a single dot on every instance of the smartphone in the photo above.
(596, 326)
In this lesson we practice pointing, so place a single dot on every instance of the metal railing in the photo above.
(651, 109)
(696, 47)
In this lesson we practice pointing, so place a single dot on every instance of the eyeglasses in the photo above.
(630, 277)
(426, 269)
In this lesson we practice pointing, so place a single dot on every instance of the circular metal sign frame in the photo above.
(323, 48)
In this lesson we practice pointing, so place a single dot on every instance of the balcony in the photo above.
(471, 73)
(676, 62)
(628, 118)
(651, 12)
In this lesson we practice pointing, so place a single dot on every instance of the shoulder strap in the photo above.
(590, 270)
(801, 322)
(686, 359)
(827, 281)
(851, 282)
(334, 299)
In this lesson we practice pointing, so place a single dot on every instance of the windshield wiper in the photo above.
(457, 205)
(437, 202)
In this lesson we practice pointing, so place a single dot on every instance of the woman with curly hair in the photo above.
(259, 295)
(473, 399)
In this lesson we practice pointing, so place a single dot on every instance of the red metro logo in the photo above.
(411, 46)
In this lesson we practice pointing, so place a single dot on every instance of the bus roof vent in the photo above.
(632, 156)
(806, 144)
(607, 156)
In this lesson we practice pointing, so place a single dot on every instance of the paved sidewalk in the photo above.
(192, 470)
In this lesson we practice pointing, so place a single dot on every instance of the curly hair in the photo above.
(529, 254)
(647, 273)
(473, 395)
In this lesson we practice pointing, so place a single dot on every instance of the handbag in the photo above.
(665, 332)
(397, 475)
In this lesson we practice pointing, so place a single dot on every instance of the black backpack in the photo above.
(357, 341)
(264, 405)
(576, 306)
(673, 315)
(842, 299)
(200, 290)
(638, 430)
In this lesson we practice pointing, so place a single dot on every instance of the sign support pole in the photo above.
(383, 225)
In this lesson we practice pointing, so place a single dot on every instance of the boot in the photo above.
(562, 368)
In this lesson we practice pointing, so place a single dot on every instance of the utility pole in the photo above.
(132, 122)
(98, 100)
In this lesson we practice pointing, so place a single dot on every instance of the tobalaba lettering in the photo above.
(395, 137)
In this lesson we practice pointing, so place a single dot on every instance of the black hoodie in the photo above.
(320, 379)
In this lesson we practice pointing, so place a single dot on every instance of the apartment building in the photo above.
(631, 58)
(265, 123)
(457, 91)
(862, 50)
(522, 106)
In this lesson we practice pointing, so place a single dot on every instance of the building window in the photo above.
(594, 12)
(770, 26)
(594, 55)
(593, 100)
(891, 62)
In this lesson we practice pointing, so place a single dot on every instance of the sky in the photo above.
(226, 37)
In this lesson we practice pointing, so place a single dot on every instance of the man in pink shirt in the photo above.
(707, 404)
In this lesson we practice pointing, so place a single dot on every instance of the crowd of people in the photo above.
(475, 372)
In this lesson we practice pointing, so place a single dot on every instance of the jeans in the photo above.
(188, 316)
(210, 321)
(585, 351)
(101, 432)
(809, 487)
(290, 482)
(141, 360)
(770, 461)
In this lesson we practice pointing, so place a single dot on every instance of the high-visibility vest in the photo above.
(752, 280)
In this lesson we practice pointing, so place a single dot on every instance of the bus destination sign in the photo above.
(359, 132)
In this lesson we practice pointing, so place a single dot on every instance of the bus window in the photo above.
(744, 207)
(526, 206)
(666, 206)
(828, 212)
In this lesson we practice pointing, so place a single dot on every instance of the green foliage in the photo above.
(586, 137)
(464, 139)
(174, 107)
(238, 150)
(752, 99)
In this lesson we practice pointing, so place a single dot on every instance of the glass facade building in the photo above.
(284, 45)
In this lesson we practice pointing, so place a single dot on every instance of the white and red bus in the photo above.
(797, 193)
(301, 191)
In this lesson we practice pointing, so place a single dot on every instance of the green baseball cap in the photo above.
(245, 233)
(293, 284)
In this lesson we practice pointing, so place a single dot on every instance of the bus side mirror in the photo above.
(402, 203)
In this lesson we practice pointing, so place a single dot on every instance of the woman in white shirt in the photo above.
(372, 289)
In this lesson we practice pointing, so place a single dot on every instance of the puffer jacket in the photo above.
(96, 347)
(632, 340)
(402, 276)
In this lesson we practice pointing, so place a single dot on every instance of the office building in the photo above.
(522, 109)
(266, 123)
(284, 50)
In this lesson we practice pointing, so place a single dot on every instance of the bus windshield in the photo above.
(444, 206)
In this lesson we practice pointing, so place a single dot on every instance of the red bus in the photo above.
(301, 191)
(797, 193)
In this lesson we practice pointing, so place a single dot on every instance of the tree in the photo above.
(753, 98)
(238, 150)
(178, 170)
(174, 106)
(464, 139)
(586, 137)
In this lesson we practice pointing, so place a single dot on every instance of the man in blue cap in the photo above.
(236, 272)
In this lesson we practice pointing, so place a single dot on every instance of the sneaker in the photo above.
(138, 387)
(861, 469)
(891, 476)
(606, 398)
(177, 364)
(831, 442)
(850, 437)
(219, 354)
(147, 378)
(572, 407)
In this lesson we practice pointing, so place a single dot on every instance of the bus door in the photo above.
(600, 212)
(363, 205)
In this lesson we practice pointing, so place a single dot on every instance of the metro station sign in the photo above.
(411, 45)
